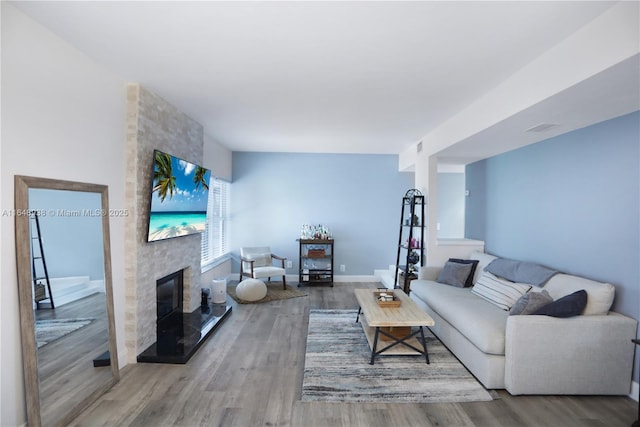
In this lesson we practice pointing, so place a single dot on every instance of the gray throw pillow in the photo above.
(474, 264)
(530, 302)
(454, 274)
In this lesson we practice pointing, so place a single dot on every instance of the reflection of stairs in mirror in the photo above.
(69, 289)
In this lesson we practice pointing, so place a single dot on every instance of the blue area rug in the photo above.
(337, 368)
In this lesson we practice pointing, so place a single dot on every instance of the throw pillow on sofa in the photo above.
(530, 302)
(567, 306)
(454, 274)
(474, 264)
(498, 291)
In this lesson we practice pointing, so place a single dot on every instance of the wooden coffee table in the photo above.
(376, 318)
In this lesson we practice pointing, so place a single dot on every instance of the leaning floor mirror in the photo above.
(66, 297)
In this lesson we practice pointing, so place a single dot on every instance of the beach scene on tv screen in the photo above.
(178, 199)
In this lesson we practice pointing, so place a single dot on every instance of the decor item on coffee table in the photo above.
(337, 368)
(274, 293)
(377, 320)
(257, 263)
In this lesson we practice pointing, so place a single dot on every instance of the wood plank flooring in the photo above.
(249, 373)
(65, 366)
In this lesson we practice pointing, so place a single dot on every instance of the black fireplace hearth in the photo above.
(181, 334)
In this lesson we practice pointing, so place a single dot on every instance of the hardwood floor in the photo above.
(65, 366)
(249, 373)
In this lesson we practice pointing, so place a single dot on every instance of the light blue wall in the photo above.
(571, 202)
(358, 197)
(451, 188)
(71, 235)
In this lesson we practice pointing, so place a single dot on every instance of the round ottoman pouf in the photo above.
(251, 290)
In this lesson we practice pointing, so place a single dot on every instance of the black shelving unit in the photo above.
(315, 261)
(39, 291)
(411, 250)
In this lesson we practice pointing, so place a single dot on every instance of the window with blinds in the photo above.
(214, 238)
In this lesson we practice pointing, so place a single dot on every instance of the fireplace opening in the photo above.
(169, 291)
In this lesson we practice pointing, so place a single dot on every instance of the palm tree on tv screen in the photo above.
(199, 178)
(163, 177)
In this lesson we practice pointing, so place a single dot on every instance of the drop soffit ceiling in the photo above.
(341, 77)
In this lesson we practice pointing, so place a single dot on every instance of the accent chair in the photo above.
(258, 262)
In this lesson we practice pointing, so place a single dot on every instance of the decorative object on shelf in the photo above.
(412, 220)
(315, 253)
(320, 232)
(410, 194)
(412, 244)
(413, 258)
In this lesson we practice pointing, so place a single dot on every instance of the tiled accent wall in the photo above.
(152, 123)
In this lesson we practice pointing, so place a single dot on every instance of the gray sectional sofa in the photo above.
(533, 354)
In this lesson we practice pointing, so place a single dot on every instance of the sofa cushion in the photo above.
(478, 320)
(599, 295)
(530, 302)
(567, 306)
(483, 260)
(474, 265)
(498, 291)
(454, 274)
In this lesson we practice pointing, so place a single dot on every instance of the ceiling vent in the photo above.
(419, 147)
(542, 127)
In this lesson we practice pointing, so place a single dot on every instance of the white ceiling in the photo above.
(340, 77)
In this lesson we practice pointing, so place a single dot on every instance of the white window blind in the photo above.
(214, 238)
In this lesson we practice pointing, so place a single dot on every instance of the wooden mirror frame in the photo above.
(25, 293)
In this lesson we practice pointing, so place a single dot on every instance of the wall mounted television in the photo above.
(179, 195)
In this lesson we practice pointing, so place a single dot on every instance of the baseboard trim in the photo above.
(635, 391)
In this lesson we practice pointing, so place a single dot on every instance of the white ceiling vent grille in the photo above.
(542, 127)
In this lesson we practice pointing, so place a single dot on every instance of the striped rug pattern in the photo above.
(337, 368)
(51, 330)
